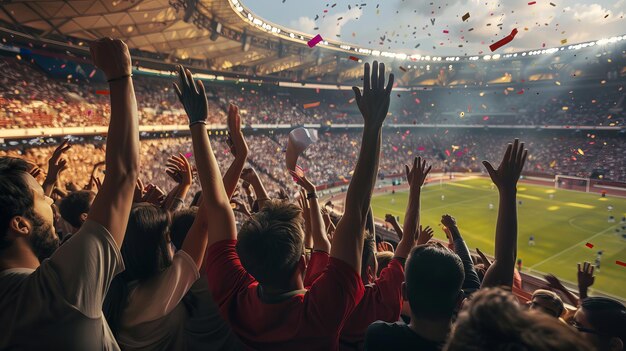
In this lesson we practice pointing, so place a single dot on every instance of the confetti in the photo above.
(563, 41)
(311, 105)
(503, 41)
(553, 4)
(446, 31)
(589, 245)
(532, 3)
(580, 151)
(353, 58)
(402, 69)
(432, 21)
(465, 17)
(92, 73)
(417, 101)
(607, 15)
(485, 118)
(621, 263)
(188, 155)
(316, 39)
(103, 92)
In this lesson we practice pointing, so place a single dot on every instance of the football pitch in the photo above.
(561, 226)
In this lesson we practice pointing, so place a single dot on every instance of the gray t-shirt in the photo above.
(58, 306)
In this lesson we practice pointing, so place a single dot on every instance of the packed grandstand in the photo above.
(566, 104)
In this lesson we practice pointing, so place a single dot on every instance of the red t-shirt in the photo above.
(307, 320)
(382, 300)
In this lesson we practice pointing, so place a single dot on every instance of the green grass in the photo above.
(561, 226)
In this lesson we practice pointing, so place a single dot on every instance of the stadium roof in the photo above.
(224, 34)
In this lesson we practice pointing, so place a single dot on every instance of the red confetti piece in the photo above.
(448, 153)
(532, 3)
(353, 58)
(188, 155)
(445, 31)
(485, 118)
(92, 73)
(520, 92)
(589, 245)
(495, 46)
(311, 105)
(621, 263)
(402, 69)
(421, 148)
(103, 92)
(417, 101)
(316, 39)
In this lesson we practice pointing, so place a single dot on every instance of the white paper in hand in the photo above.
(299, 140)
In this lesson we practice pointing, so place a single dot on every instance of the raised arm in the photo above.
(555, 284)
(374, 105)
(249, 175)
(505, 178)
(585, 279)
(391, 219)
(318, 230)
(112, 204)
(416, 177)
(219, 212)
(238, 148)
(56, 165)
(179, 169)
(471, 282)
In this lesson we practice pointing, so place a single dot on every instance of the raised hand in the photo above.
(35, 171)
(153, 195)
(193, 97)
(179, 169)
(249, 175)
(373, 102)
(112, 57)
(508, 173)
(391, 219)
(554, 282)
(236, 141)
(384, 246)
(448, 221)
(303, 182)
(585, 278)
(425, 234)
(56, 164)
(417, 174)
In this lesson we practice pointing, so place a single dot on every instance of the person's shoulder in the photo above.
(384, 328)
(13, 276)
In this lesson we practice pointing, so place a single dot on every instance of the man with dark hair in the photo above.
(602, 321)
(547, 302)
(52, 300)
(433, 280)
(257, 279)
(493, 320)
(74, 209)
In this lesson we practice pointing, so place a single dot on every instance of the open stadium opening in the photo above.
(311, 175)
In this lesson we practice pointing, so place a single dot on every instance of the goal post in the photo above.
(572, 183)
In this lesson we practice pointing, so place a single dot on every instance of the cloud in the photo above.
(303, 24)
(331, 25)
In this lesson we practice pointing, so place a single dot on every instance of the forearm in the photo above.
(169, 199)
(398, 230)
(260, 192)
(196, 241)
(231, 177)
(122, 156)
(471, 282)
(48, 185)
(501, 271)
(318, 230)
(582, 292)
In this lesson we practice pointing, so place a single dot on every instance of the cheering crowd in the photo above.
(118, 264)
(30, 97)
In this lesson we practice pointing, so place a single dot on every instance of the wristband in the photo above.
(196, 122)
(310, 196)
(119, 78)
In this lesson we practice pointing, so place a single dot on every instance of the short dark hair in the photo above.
(606, 315)
(181, 223)
(16, 197)
(433, 276)
(493, 320)
(75, 204)
(271, 243)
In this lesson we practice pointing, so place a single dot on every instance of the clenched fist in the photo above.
(112, 57)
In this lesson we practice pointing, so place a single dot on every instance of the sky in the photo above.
(437, 28)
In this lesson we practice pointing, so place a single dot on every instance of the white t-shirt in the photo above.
(58, 306)
(154, 318)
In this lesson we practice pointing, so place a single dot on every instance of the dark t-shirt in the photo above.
(396, 336)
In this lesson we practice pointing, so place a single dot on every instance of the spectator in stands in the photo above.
(493, 320)
(602, 322)
(546, 301)
(74, 209)
(57, 303)
(267, 307)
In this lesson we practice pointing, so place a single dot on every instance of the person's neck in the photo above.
(433, 330)
(295, 285)
(18, 255)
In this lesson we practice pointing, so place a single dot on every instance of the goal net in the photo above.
(572, 183)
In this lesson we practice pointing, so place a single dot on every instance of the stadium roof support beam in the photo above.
(283, 64)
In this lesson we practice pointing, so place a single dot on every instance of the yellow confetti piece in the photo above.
(563, 41)
(580, 151)
(462, 114)
(18, 57)
(557, 82)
